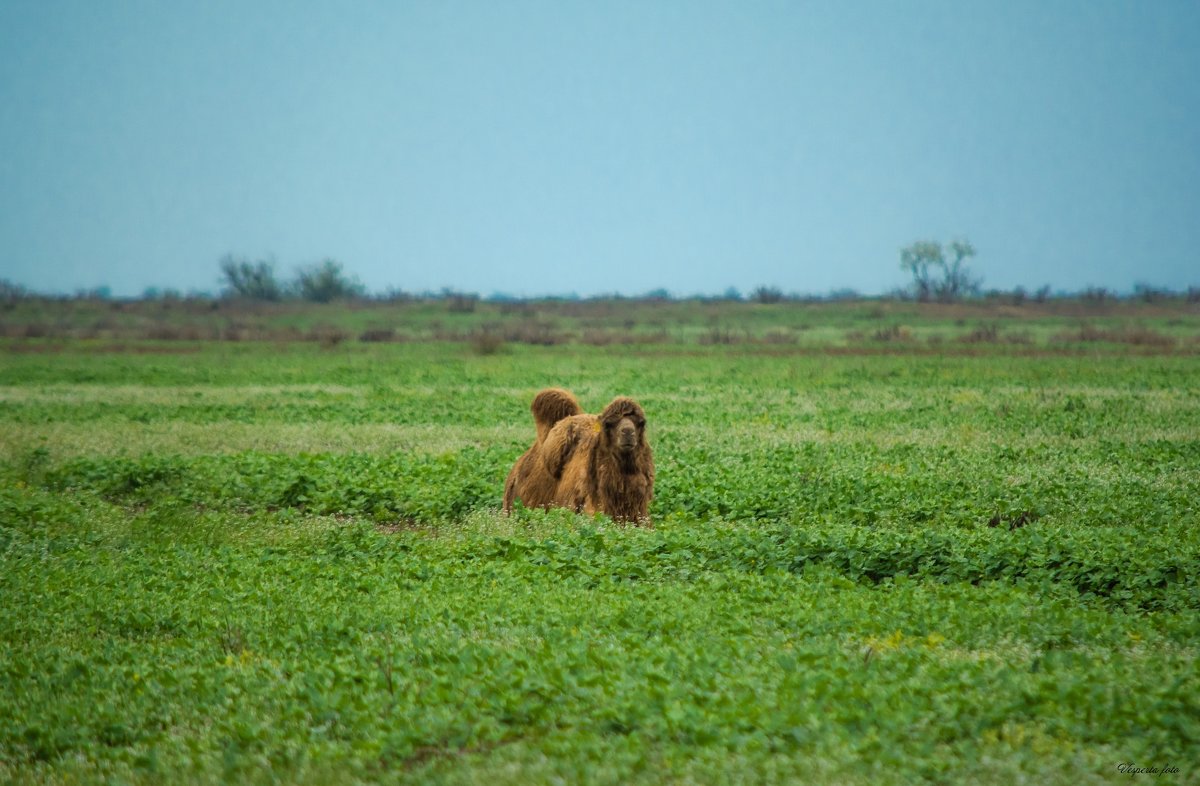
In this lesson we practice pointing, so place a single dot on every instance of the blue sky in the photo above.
(561, 146)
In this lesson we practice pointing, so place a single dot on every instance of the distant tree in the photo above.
(765, 294)
(250, 280)
(958, 281)
(11, 292)
(102, 292)
(921, 260)
(1149, 293)
(459, 302)
(938, 275)
(731, 293)
(325, 282)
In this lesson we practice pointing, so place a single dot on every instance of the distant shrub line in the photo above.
(327, 282)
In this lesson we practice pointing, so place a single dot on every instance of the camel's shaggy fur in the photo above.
(589, 463)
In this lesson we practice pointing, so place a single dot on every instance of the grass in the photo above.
(255, 562)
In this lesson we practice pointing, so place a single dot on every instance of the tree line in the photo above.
(320, 283)
(939, 273)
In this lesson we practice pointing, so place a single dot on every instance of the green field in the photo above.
(887, 549)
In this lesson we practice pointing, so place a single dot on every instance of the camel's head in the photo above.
(624, 425)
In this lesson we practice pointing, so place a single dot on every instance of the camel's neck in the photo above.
(609, 467)
(617, 484)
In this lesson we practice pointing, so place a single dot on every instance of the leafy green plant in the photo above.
(888, 565)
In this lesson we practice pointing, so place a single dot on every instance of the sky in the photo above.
(561, 146)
